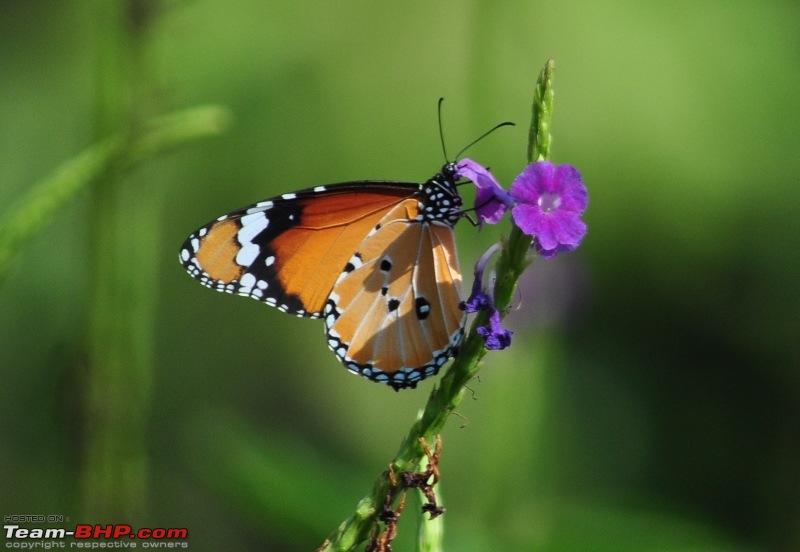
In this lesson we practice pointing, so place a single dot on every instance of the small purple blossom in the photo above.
(491, 201)
(549, 202)
(495, 337)
(478, 300)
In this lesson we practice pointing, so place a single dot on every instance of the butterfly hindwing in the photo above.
(393, 314)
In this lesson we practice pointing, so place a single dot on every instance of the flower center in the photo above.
(549, 202)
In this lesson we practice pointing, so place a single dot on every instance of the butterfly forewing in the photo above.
(289, 250)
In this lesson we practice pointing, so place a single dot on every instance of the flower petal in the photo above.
(569, 228)
(491, 201)
(527, 217)
(488, 207)
(535, 180)
(546, 227)
(574, 196)
(477, 300)
(495, 337)
(546, 253)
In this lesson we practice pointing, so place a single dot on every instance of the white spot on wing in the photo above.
(246, 283)
(247, 254)
(252, 225)
(356, 261)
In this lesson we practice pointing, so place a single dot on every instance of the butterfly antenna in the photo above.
(441, 132)
(479, 138)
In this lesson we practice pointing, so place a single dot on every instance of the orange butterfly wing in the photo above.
(289, 250)
(394, 316)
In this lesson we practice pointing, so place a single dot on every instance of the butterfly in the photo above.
(375, 260)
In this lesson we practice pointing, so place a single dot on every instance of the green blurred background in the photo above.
(651, 399)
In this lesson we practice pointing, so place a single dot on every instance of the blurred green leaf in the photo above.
(39, 206)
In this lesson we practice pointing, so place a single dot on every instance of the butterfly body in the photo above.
(376, 260)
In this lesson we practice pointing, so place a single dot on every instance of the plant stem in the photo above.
(117, 400)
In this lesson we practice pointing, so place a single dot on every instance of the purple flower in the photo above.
(495, 337)
(478, 300)
(549, 202)
(492, 200)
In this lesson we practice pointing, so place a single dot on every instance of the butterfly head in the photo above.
(450, 171)
(440, 202)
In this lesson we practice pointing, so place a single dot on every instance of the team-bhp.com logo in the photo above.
(89, 536)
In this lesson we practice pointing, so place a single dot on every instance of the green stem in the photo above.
(431, 531)
(125, 231)
(447, 395)
(117, 400)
